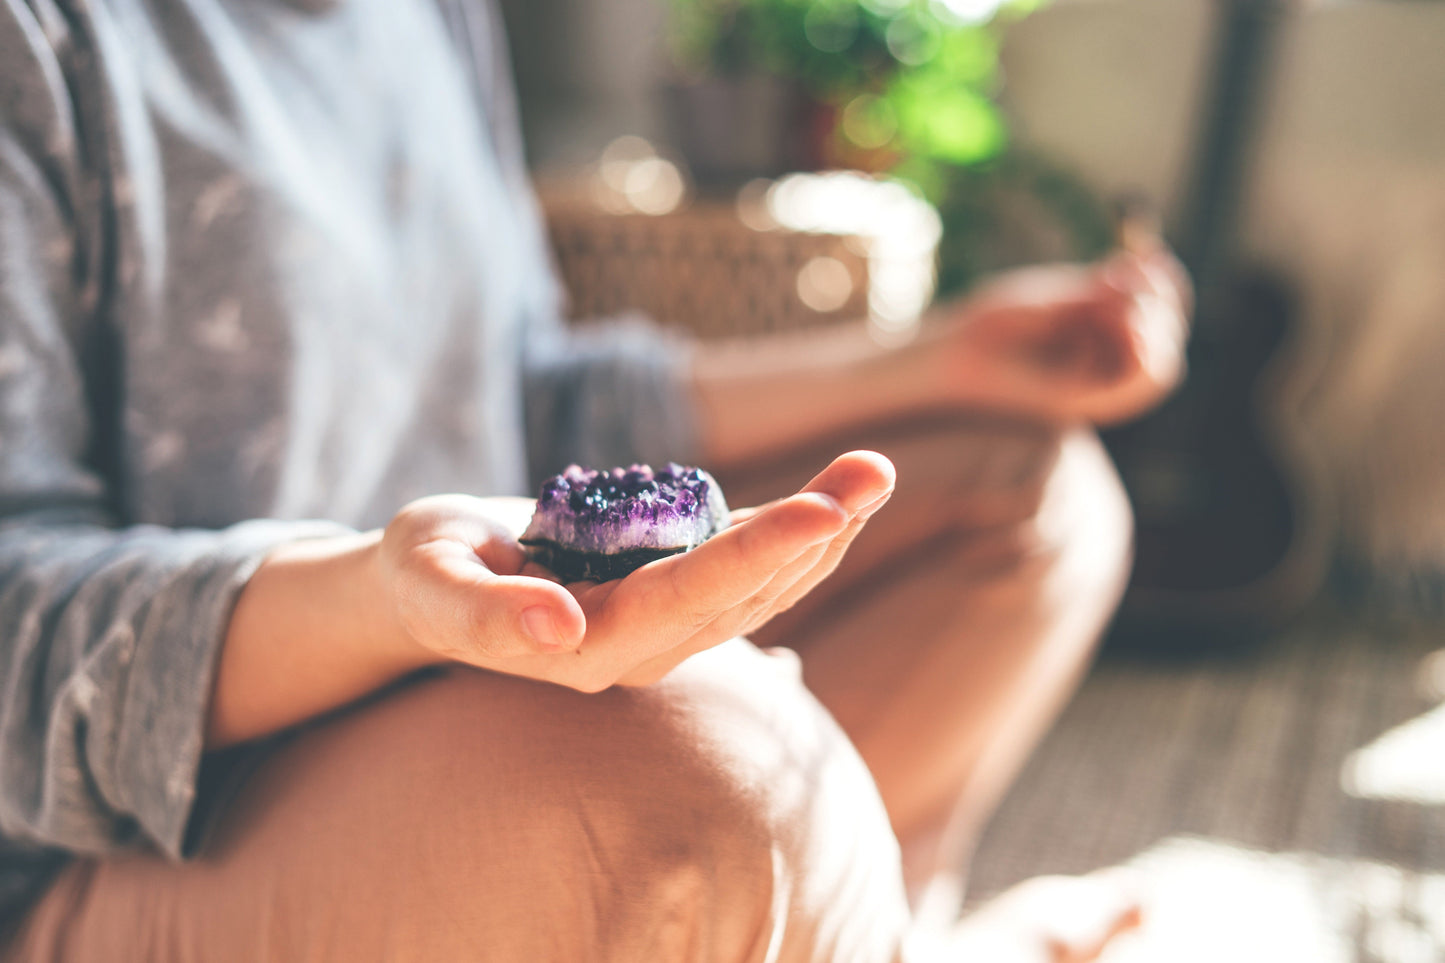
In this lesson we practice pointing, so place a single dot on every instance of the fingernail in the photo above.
(542, 627)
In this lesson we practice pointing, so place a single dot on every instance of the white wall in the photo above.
(587, 71)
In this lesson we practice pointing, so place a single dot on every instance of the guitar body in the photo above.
(1227, 531)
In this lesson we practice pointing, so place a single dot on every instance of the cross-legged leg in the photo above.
(717, 816)
(962, 619)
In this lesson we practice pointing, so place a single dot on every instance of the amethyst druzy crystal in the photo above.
(602, 525)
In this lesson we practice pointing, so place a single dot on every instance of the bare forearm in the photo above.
(1058, 343)
(325, 622)
(310, 633)
(765, 395)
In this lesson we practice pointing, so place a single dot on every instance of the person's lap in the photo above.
(719, 815)
(484, 817)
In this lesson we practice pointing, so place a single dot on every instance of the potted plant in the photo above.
(902, 87)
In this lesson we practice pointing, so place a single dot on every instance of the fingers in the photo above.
(1154, 312)
(1154, 267)
(640, 627)
(1156, 274)
(790, 585)
(739, 515)
(863, 482)
(855, 479)
(825, 564)
(783, 550)
(738, 563)
(1116, 347)
(464, 587)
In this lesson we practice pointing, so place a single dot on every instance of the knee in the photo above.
(975, 474)
(1029, 501)
(1084, 522)
(708, 809)
(1072, 554)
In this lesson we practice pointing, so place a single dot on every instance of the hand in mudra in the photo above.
(462, 589)
(1098, 343)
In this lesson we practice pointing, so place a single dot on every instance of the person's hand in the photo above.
(1099, 343)
(462, 589)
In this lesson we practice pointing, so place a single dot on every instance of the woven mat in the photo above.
(1286, 804)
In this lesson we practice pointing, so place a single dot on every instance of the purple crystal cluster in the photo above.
(604, 524)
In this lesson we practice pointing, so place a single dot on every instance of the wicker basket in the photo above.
(700, 268)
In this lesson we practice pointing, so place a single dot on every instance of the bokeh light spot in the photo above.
(913, 40)
(824, 284)
(830, 28)
(869, 121)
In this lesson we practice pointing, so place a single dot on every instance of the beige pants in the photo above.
(720, 815)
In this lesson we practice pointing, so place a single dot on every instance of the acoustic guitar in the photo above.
(1230, 536)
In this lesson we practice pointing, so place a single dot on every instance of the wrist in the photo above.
(349, 588)
(969, 372)
(312, 630)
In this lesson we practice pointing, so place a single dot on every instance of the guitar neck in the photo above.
(1245, 41)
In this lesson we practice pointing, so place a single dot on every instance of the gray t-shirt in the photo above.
(261, 261)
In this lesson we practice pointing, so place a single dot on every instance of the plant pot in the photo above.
(730, 130)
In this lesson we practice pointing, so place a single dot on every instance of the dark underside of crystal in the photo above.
(574, 566)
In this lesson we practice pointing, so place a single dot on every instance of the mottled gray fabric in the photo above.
(260, 262)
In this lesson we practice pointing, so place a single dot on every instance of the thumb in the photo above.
(1156, 310)
(486, 616)
(516, 615)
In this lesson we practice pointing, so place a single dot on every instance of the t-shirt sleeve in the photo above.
(109, 634)
(608, 393)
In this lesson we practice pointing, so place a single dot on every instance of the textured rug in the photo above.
(1283, 804)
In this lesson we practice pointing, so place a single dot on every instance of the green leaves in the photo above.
(953, 125)
(909, 86)
(944, 109)
(909, 78)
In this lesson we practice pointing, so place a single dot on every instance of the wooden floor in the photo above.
(1285, 804)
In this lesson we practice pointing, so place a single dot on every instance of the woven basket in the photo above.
(699, 268)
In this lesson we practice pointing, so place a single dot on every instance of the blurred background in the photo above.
(1263, 737)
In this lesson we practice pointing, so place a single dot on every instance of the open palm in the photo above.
(464, 582)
